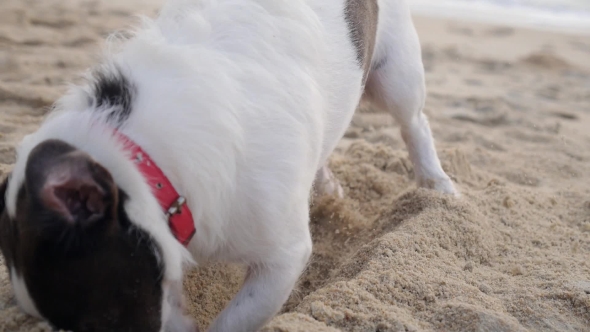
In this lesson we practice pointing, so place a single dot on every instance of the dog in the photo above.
(200, 137)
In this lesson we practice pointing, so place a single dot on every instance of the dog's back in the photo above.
(270, 86)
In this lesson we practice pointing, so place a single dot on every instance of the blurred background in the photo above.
(564, 15)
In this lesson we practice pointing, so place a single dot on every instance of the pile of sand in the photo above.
(510, 110)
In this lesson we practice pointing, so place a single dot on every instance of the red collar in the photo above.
(180, 218)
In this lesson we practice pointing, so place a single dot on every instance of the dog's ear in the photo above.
(69, 182)
(72, 189)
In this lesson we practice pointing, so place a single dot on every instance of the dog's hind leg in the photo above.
(396, 84)
(327, 184)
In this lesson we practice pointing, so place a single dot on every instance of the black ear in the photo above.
(69, 182)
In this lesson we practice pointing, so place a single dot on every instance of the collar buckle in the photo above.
(176, 207)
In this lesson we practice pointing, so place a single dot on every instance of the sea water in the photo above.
(563, 15)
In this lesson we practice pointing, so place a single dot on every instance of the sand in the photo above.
(510, 111)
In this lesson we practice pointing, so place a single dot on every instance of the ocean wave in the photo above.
(555, 6)
(572, 16)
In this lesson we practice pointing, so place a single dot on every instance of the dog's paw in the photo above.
(444, 185)
(327, 184)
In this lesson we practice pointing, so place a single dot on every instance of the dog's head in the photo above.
(73, 254)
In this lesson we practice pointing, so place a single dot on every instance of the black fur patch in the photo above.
(105, 276)
(113, 90)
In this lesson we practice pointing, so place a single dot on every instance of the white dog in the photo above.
(205, 128)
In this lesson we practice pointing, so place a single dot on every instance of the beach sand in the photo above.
(510, 112)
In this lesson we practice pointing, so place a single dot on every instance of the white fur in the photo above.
(21, 293)
(241, 102)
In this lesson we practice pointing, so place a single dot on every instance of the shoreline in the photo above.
(570, 22)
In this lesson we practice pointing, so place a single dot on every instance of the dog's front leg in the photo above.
(177, 318)
(266, 288)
